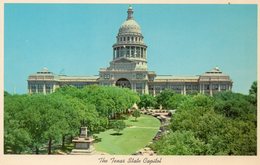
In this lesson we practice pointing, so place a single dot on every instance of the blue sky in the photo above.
(77, 39)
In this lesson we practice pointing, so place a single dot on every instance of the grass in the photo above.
(136, 136)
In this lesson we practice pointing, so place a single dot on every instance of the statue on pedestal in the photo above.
(83, 143)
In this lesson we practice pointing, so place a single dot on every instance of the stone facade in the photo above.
(129, 69)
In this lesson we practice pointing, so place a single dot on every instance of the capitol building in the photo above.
(129, 69)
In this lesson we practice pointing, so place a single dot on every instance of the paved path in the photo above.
(143, 127)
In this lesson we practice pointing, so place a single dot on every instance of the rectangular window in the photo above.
(127, 51)
(48, 88)
(40, 88)
(107, 76)
(33, 88)
(132, 51)
(137, 52)
(223, 87)
(215, 86)
(206, 86)
(117, 52)
(139, 85)
(188, 87)
(195, 87)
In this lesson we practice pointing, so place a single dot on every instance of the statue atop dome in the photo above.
(130, 12)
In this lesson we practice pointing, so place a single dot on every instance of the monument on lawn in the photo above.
(83, 143)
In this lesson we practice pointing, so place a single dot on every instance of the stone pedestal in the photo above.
(83, 144)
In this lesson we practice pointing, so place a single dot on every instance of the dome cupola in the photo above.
(130, 25)
(130, 43)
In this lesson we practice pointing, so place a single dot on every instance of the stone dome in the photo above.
(130, 25)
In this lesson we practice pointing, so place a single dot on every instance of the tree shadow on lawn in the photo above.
(116, 134)
(134, 120)
(97, 139)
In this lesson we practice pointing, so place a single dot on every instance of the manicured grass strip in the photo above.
(136, 136)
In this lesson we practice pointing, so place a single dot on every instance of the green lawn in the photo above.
(134, 137)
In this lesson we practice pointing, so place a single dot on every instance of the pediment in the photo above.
(122, 60)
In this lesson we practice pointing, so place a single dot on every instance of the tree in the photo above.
(16, 136)
(234, 105)
(253, 92)
(6, 93)
(175, 101)
(163, 97)
(253, 89)
(118, 126)
(225, 124)
(136, 114)
(147, 101)
(179, 143)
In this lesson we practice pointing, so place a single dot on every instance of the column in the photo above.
(184, 89)
(135, 87)
(130, 51)
(210, 89)
(124, 50)
(44, 88)
(146, 89)
(203, 89)
(29, 89)
(154, 90)
(36, 89)
(219, 87)
(135, 52)
(53, 87)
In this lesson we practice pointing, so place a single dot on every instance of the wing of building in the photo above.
(129, 69)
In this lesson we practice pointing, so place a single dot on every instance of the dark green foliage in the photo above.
(117, 125)
(235, 106)
(224, 124)
(253, 89)
(179, 143)
(33, 121)
(16, 137)
(6, 93)
(136, 114)
(253, 93)
(147, 101)
(221, 125)
(163, 98)
(175, 101)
